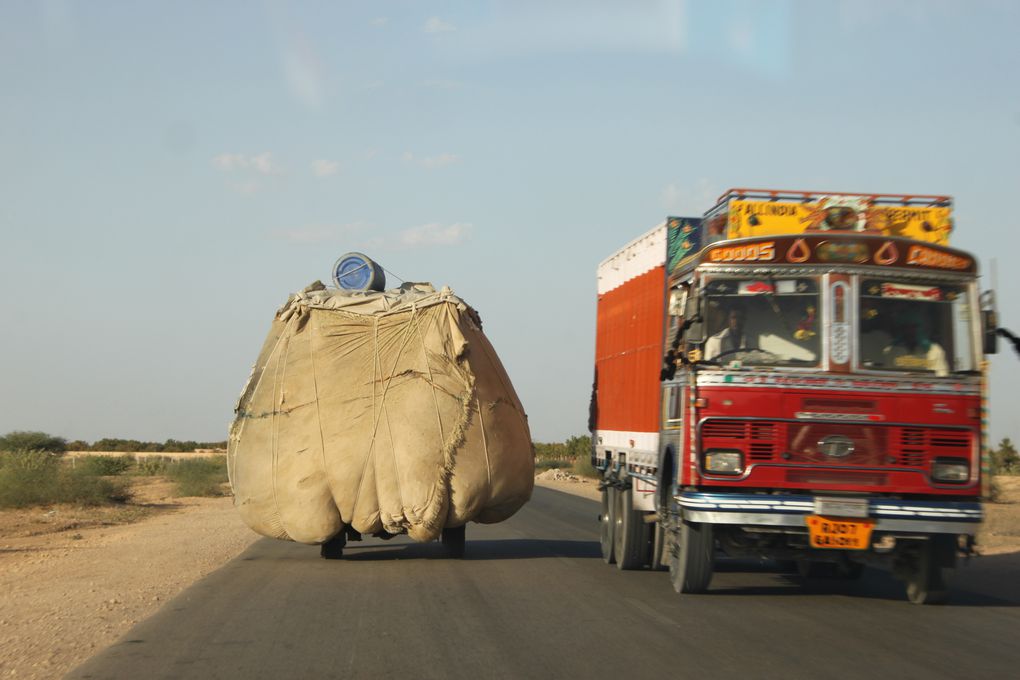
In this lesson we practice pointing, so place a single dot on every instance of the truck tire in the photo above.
(692, 553)
(928, 581)
(607, 522)
(659, 559)
(333, 549)
(453, 539)
(630, 545)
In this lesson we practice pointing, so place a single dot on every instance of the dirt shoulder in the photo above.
(72, 581)
(567, 482)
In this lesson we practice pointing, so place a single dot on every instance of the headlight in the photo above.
(950, 470)
(724, 462)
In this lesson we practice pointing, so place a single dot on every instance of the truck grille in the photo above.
(874, 445)
(918, 444)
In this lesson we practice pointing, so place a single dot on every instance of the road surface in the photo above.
(533, 599)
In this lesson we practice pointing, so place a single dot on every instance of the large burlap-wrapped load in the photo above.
(389, 412)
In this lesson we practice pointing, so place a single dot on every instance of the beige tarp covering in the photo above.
(386, 411)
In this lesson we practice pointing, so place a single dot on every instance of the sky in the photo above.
(171, 172)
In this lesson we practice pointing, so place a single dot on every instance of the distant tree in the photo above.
(37, 441)
(78, 445)
(579, 447)
(1005, 458)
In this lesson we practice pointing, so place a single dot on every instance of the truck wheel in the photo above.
(333, 549)
(630, 533)
(928, 581)
(691, 556)
(660, 557)
(453, 541)
(607, 521)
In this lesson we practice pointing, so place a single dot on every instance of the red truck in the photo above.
(796, 376)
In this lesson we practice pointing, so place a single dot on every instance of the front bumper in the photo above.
(890, 515)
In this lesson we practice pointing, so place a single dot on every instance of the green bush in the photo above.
(583, 467)
(104, 465)
(153, 465)
(1005, 459)
(38, 478)
(22, 440)
(199, 476)
(550, 463)
(81, 487)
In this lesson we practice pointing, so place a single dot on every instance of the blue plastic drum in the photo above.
(354, 271)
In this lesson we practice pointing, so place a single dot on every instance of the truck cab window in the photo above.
(923, 328)
(771, 322)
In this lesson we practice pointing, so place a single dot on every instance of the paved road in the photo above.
(533, 600)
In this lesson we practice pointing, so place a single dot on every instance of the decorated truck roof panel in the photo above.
(743, 213)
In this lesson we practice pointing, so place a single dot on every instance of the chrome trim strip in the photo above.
(959, 385)
(798, 506)
(892, 525)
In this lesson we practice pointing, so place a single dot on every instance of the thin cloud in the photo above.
(322, 233)
(325, 168)
(236, 162)
(431, 162)
(440, 84)
(437, 25)
(689, 199)
(435, 234)
(380, 21)
(303, 70)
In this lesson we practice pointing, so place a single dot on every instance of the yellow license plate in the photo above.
(839, 534)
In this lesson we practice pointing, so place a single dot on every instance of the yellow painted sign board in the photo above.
(747, 218)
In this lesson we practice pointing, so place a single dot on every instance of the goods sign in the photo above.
(863, 250)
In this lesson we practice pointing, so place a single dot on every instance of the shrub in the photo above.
(82, 487)
(153, 465)
(1005, 459)
(104, 465)
(583, 467)
(199, 476)
(21, 440)
(38, 478)
(550, 463)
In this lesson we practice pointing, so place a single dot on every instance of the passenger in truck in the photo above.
(729, 339)
(914, 348)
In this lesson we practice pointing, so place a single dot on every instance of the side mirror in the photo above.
(989, 331)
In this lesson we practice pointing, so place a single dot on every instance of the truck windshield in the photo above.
(762, 322)
(915, 327)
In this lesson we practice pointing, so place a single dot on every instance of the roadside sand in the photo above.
(66, 595)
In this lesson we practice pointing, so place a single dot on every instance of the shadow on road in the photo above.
(986, 581)
(508, 549)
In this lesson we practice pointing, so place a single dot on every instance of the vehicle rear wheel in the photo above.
(333, 549)
(607, 522)
(630, 534)
(928, 581)
(453, 539)
(692, 552)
